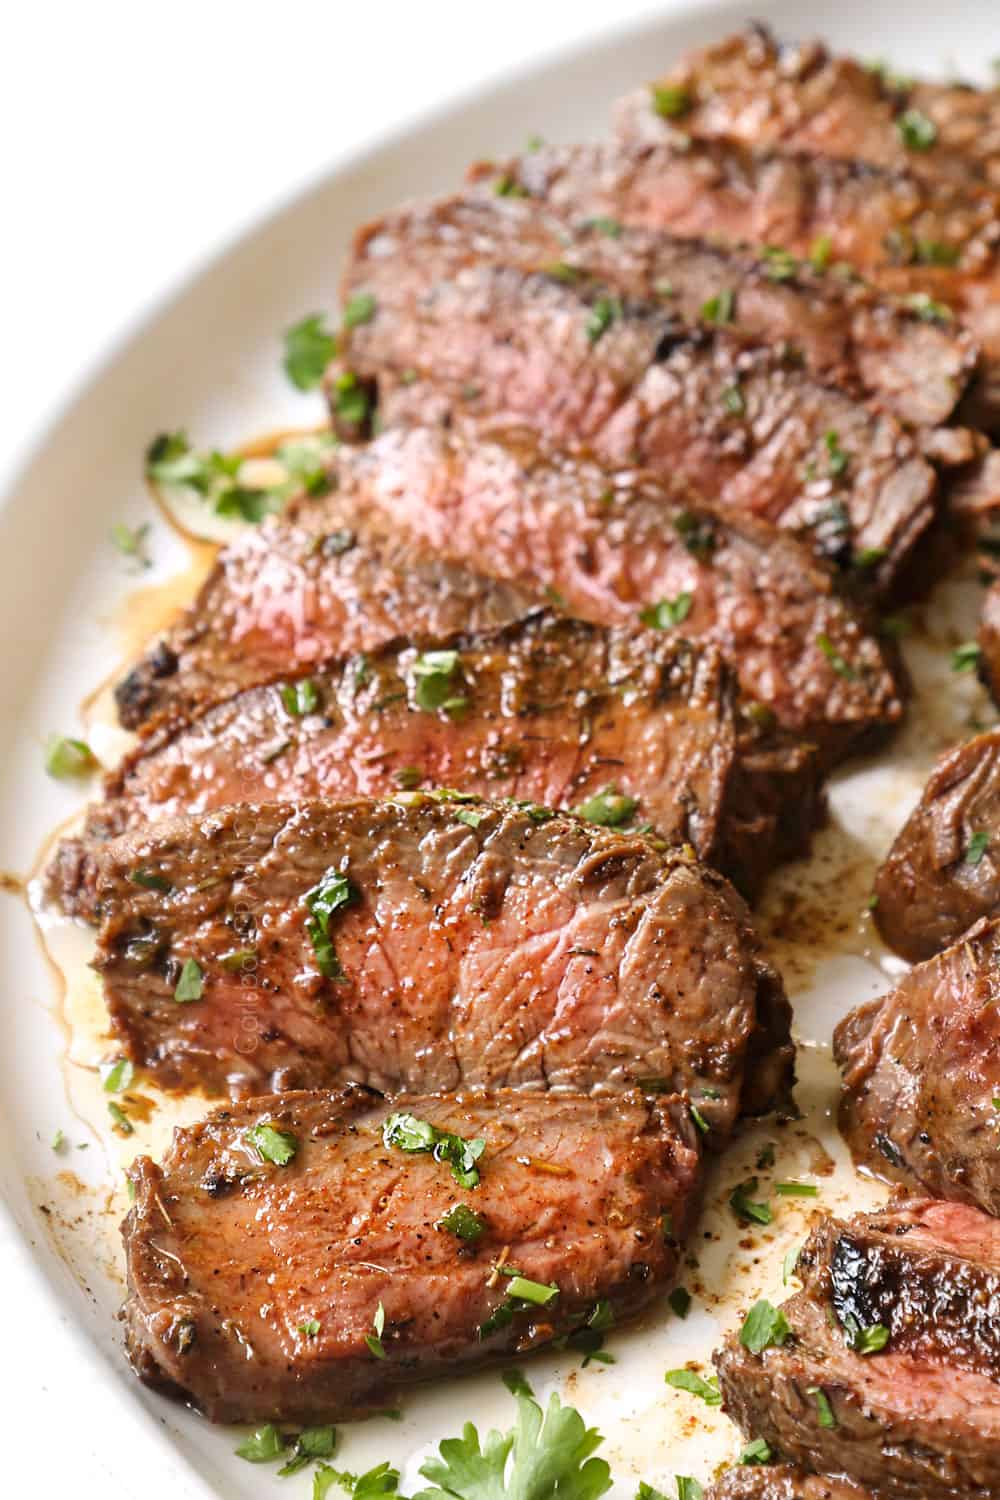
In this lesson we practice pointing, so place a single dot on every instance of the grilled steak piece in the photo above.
(935, 246)
(258, 1290)
(469, 946)
(920, 1417)
(845, 332)
(799, 97)
(989, 640)
(454, 334)
(320, 582)
(554, 711)
(921, 1072)
(943, 872)
(780, 1482)
(494, 499)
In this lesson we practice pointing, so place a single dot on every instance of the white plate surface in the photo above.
(209, 359)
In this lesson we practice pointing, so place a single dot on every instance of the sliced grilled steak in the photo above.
(845, 332)
(254, 1288)
(494, 499)
(480, 946)
(318, 583)
(921, 1073)
(943, 872)
(933, 245)
(920, 1417)
(780, 1482)
(553, 711)
(798, 96)
(452, 333)
(989, 640)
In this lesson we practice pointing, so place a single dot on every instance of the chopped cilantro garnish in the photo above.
(820, 251)
(765, 1325)
(329, 894)
(680, 1301)
(463, 1221)
(312, 1443)
(434, 675)
(117, 1076)
(517, 1382)
(604, 312)
(131, 542)
(65, 758)
(756, 1452)
(965, 658)
(189, 985)
(927, 309)
(300, 697)
(732, 400)
(916, 130)
(359, 309)
(839, 663)
(977, 847)
(263, 1446)
(745, 1208)
(406, 1132)
(610, 808)
(670, 100)
(697, 1385)
(374, 1339)
(271, 1144)
(149, 880)
(668, 613)
(309, 348)
(310, 1328)
(868, 1340)
(824, 1411)
(719, 309)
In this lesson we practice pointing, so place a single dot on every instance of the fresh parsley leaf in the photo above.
(732, 400)
(779, 264)
(670, 100)
(680, 1301)
(263, 1446)
(309, 348)
(540, 1457)
(870, 1340)
(820, 251)
(837, 460)
(916, 130)
(469, 816)
(789, 1263)
(405, 1132)
(697, 1385)
(463, 1221)
(965, 658)
(937, 253)
(59, 1143)
(605, 311)
(327, 896)
(273, 1145)
(374, 1339)
(756, 1452)
(66, 758)
(351, 401)
(517, 1382)
(743, 1206)
(697, 533)
(610, 227)
(189, 986)
(131, 542)
(300, 697)
(312, 1443)
(668, 613)
(434, 675)
(688, 1488)
(648, 1492)
(719, 309)
(824, 1411)
(150, 880)
(977, 847)
(359, 309)
(927, 309)
(309, 1329)
(609, 809)
(763, 1326)
(116, 1076)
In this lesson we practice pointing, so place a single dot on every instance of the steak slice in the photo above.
(921, 1072)
(943, 871)
(800, 97)
(933, 245)
(554, 711)
(846, 332)
(494, 499)
(781, 1482)
(989, 640)
(320, 582)
(471, 946)
(232, 1259)
(453, 333)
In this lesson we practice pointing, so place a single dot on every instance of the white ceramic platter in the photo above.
(209, 359)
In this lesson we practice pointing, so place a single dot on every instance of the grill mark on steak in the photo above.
(752, 88)
(919, 1419)
(319, 582)
(921, 1073)
(781, 1482)
(889, 225)
(350, 1225)
(555, 711)
(454, 334)
(936, 881)
(531, 951)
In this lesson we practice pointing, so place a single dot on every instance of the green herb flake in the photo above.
(359, 309)
(67, 758)
(329, 895)
(670, 100)
(927, 309)
(517, 1382)
(824, 1411)
(462, 1221)
(538, 1293)
(937, 253)
(300, 698)
(507, 187)
(820, 252)
(965, 658)
(796, 1189)
(719, 309)
(699, 1119)
(732, 400)
(131, 542)
(309, 1329)
(696, 532)
(605, 311)
(745, 1208)
(788, 1265)
(263, 1447)
(238, 958)
(120, 1119)
(374, 1339)
(680, 1301)
(309, 348)
(351, 402)
(271, 1144)
(696, 1385)
(609, 809)
(977, 847)
(59, 1143)
(756, 1452)
(839, 663)
(434, 674)
(667, 613)
(779, 264)
(609, 227)
(189, 986)
(116, 1076)
(687, 1489)
(149, 880)
(837, 460)
(405, 1132)
(870, 1340)
(469, 816)
(764, 1326)
(916, 130)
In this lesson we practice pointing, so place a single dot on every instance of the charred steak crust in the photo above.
(456, 333)
(942, 874)
(920, 1069)
(800, 97)
(480, 946)
(229, 1257)
(845, 332)
(781, 1482)
(918, 1418)
(490, 496)
(553, 710)
(320, 582)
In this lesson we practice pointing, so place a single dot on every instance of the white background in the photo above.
(136, 140)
